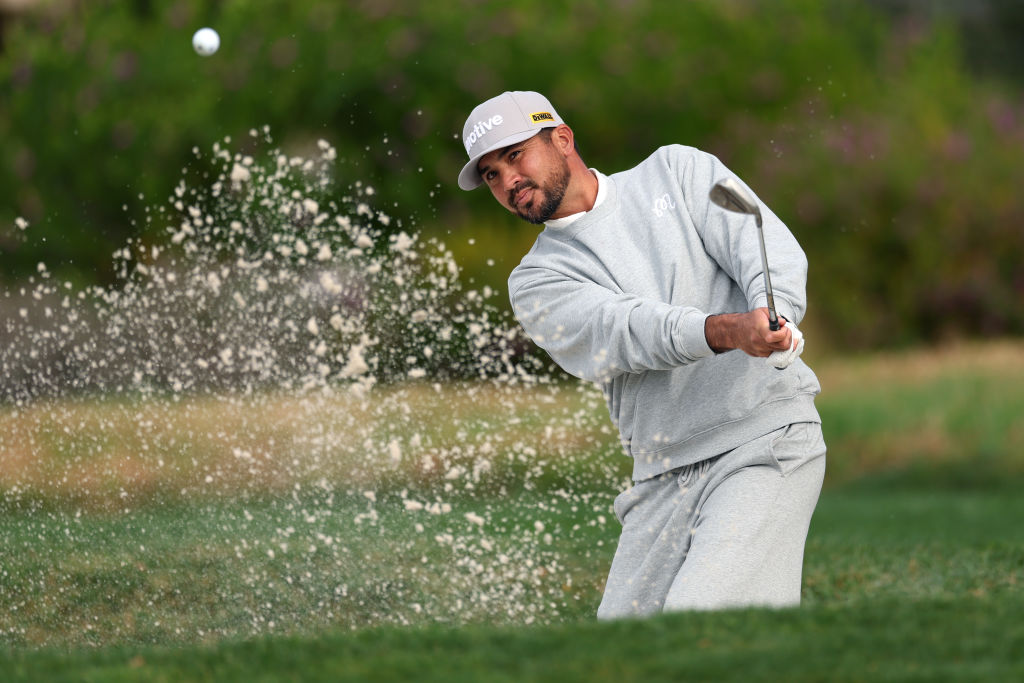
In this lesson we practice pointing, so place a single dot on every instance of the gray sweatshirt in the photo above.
(619, 297)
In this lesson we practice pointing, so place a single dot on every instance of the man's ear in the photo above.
(563, 139)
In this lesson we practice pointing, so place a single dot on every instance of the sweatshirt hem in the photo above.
(726, 437)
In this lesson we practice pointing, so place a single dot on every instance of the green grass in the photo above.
(913, 586)
(911, 545)
(949, 420)
(960, 640)
(184, 575)
(913, 571)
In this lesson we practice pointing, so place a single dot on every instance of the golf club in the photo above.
(732, 196)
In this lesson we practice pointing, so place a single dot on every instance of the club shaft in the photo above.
(773, 318)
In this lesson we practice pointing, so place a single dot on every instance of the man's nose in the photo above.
(510, 178)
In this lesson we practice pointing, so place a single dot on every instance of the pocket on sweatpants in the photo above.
(626, 501)
(801, 443)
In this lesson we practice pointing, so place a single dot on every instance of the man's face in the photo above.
(528, 178)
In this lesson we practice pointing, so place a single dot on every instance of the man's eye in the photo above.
(512, 156)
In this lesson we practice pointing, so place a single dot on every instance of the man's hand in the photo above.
(783, 359)
(748, 332)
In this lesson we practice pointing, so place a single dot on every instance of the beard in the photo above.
(552, 191)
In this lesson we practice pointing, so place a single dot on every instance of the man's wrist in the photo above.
(718, 331)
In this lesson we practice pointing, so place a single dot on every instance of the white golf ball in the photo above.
(206, 41)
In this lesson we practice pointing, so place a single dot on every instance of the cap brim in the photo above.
(469, 177)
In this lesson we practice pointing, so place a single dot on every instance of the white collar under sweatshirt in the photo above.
(602, 190)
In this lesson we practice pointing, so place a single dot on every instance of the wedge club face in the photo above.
(732, 196)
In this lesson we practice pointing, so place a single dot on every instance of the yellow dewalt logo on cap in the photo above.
(541, 116)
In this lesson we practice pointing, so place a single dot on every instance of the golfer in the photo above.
(638, 282)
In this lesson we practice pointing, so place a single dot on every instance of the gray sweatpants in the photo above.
(725, 532)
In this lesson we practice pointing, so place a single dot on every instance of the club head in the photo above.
(732, 196)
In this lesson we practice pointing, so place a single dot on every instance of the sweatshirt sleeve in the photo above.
(596, 333)
(732, 240)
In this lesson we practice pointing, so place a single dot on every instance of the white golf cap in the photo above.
(501, 121)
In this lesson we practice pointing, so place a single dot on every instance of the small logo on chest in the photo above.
(662, 205)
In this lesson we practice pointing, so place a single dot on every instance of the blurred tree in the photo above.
(860, 125)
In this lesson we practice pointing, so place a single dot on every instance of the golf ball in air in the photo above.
(206, 41)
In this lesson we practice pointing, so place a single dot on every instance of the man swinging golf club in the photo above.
(642, 282)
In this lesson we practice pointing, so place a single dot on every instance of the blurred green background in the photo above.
(888, 135)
